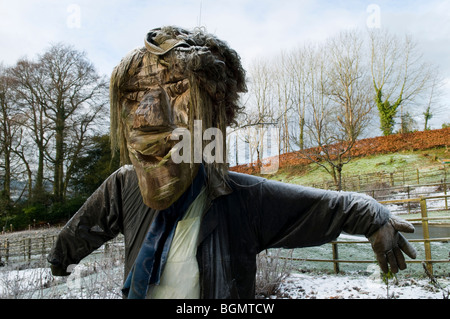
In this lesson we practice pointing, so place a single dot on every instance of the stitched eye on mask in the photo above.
(134, 96)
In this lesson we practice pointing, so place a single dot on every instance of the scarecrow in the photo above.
(192, 229)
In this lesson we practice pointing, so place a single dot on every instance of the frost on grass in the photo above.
(98, 277)
(316, 286)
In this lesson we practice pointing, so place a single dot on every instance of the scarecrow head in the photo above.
(178, 77)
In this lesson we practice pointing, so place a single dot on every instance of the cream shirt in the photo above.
(180, 277)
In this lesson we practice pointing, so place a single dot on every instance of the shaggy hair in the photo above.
(213, 69)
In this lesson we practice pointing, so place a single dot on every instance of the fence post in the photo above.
(43, 245)
(445, 193)
(445, 173)
(335, 258)
(426, 234)
(409, 204)
(6, 250)
(24, 246)
(29, 249)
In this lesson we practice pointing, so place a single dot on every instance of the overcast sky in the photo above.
(107, 30)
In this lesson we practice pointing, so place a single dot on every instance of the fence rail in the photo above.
(408, 191)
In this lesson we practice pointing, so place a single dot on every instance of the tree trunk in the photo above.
(58, 186)
(39, 133)
(6, 192)
(302, 134)
(339, 177)
(38, 189)
(6, 150)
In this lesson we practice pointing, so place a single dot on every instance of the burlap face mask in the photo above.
(156, 102)
(179, 77)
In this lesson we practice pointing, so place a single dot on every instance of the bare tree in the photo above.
(6, 138)
(302, 63)
(284, 82)
(329, 90)
(432, 99)
(30, 99)
(61, 96)
(260, 108)
(74, 96)
(23, 150)
(11, 136)
(340, 103)
(348, 84)
(399, 75)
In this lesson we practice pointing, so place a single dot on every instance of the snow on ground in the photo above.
(38, 283)
(307, 286)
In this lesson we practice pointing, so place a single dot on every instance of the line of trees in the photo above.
(325, 96)
(53, 122)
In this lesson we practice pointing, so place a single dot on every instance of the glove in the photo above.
(388, 244)
(58, 270)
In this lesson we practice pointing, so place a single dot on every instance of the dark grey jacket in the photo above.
(245, 216)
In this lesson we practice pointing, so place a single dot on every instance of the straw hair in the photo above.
(214, 71)
(121, 73)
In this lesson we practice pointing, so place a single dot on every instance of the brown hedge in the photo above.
(370, 146)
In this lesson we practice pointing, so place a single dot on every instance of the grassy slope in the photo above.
(395, 162)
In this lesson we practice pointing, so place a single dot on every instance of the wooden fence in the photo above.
(38, 247)
(364, 182)
(24, 249)
(408, 191)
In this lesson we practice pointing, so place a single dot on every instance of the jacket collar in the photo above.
(217, 187)
(217, 184)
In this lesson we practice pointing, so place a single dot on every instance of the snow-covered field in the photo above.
(89, 280)
(417, 192)
(94, 280)
(307, 286)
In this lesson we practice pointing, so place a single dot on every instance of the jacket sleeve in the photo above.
(293, 216)
(97, 221)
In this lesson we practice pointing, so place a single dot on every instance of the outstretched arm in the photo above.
(294, 216)
(97, 221)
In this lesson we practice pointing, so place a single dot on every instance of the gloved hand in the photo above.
(58, 270)
(388, 244)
